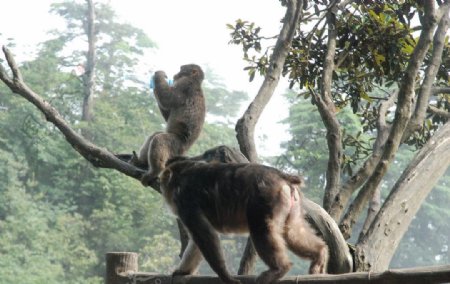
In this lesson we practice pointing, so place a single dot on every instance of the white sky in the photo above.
(191, 31)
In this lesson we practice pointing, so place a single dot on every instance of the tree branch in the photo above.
(402, 115)
(375, 249)
(440, 90)
(425, 92)
(94, 154)
(245, 127)
(439, 112)
(366, 170)
(327, 111)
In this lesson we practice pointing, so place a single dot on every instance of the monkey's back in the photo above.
(186, 120)
(222, 191)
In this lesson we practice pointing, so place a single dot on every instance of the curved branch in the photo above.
(245, 127)
(94, 154)
(341, 261)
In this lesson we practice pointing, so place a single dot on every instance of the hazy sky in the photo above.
(191, 31)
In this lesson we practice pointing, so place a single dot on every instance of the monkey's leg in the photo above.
(302, 241)
(142, 158)
(190, 261)
(266, 233)
(161, 148)
(207, 240)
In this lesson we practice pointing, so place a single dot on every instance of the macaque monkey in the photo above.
(183, 108)
(240, 198)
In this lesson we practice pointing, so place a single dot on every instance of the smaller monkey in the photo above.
(240, 198)
(183, 108)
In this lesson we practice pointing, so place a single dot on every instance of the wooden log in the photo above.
(418, 275)
(120, 265)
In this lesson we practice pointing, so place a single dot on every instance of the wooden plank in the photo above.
(419, 275)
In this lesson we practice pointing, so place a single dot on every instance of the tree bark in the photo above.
(245, 127)
(341, 261)
(374, 251)
(327, 111)
(357, 180)
(430, 75)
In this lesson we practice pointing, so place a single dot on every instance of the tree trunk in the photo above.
(88, 76)
(375, 250)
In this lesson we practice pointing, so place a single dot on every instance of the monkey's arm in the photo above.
(162, 93)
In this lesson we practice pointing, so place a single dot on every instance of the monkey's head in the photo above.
(177, 165)
(192, 71)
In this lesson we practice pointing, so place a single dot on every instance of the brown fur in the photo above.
(240, 198)
(183, 107)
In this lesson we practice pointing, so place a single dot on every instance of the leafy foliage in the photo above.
(374, 43)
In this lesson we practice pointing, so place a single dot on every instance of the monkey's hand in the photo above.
(160, 75)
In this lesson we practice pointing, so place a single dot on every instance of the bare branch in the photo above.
(327, 111)
(17, 76)
(245, 127)
(430, 74)
(439, 112)
(4, 76)
(92, 153)
(366, 170)
(440, 90)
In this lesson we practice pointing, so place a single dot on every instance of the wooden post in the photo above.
(119, 264)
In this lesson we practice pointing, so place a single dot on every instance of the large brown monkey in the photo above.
(240, 198)
(183, 107)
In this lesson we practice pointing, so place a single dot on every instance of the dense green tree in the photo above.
(72, 213)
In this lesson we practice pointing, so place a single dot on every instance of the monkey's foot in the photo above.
(180, 273)
(148, 179)
(232, 281)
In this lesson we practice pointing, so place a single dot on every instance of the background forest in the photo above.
(59, 215)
